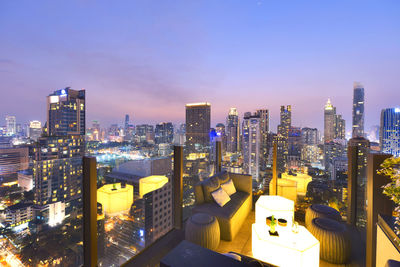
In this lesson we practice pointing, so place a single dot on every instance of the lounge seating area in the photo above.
(232, 228)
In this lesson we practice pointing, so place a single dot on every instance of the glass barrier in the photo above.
(134, 198)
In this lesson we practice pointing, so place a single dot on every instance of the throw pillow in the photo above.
(220, 196)
(229, 187)
(210, 185)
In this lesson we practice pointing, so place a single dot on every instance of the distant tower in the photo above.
(126, 121)
(198, 124)
(334, 124)
(232, 131)
(390, 131)
(251, 144)
(358, 110)
(11, 125)
(286, 121)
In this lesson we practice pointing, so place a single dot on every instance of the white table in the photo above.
(278, 206)
(287, 249)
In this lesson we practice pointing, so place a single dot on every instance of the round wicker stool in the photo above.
(321, 211)
(203, 229)
(333, 238)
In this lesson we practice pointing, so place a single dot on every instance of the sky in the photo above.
(149, 58)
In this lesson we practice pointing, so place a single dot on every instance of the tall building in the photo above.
(232, 131)
(57, 159)
(221, 136)
(35, 130)
(363, 147)
(358, 110)
(144, 132)
(309, 136)
(13, 160)
(286, 121)
(264, 131)
(334, 124)
(251, 144)
(390, 131)
(198, 124)
(126, 122)
(164, 133)
(66, 112)
(11, 125)
(333, 150)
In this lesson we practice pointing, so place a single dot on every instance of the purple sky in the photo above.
(149, 58)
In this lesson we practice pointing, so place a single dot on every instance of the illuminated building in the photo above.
(198, 116)
(164, 133)
(11, 125)
(301, 179)
(66, 112)
(339, 169)
(286, 121)
(283, 135)
(358, 110)
(362, 146)
(332, 150)
(144, 133)
(18, 214)
(35, 130)
(334, 124)
(390, 131)
(281, 145)
(295, 143)
(13, 160)
(251, 144)
(309, 153)
(265, 146)
(221, 136)
(232, 131)
(56, 213)
(115, 198)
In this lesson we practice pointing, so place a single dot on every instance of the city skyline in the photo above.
(136, 75)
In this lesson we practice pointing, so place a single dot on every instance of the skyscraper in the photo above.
(286, 121)
(358, 110)
(251, 144)
(164, 133)
(232, 131)
(11, 125)
(264, 130)
(390, 131)
(66, 112)
(57, 160)
(334, 124)
(198, 124)
(362, 145)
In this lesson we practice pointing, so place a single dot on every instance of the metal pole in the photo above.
(178, 186)
(352, 184)
(89, 212)
(218, 156)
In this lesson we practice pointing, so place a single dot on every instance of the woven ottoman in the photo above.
(321, 211)
(334, 240)
(203, 229)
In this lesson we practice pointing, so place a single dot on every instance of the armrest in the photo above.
(242, 182)
(198, 194)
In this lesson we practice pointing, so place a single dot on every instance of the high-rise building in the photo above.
(13, 160)
(126, 121)
(358, 110)
(57, 159)
(164, 133)
(66, 112)
(264, 131)
(198, 124)
(363, 147)
(286, 121)
(145, 132)
(35, 130)
(333, 150)
(11, 125)
(309, 136)
(251, 144)
(232, 131)
(221, 136)
(390, 131)
(334, 124)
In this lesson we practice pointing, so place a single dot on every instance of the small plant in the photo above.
(273, 224)
(391, 167)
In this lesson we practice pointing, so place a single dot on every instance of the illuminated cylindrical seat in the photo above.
(203, 229)
(334, 240)
(321, 211)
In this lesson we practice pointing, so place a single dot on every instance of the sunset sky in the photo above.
(148, 58)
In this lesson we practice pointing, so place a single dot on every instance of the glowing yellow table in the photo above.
(278, 206)
(287, 249)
